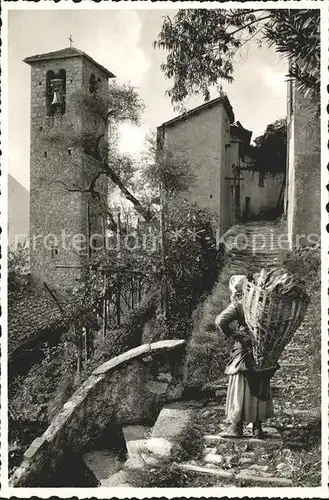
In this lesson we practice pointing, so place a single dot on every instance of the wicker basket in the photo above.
(272, 319)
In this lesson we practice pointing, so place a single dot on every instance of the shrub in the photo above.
(193, 260)
(190, 444)
(30, 394)
(165, 475)
(36, 396)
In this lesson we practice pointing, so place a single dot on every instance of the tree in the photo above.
(166, 173)
(202, 43)
(166, 168)
(270, 151)
(103, 109)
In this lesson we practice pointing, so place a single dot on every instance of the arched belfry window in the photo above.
(93, 83)
(55, 92)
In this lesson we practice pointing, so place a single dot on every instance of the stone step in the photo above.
(250, 250)
(256, 231)
(279, 387)
(255, 248)
(172, 420)
(220, 473)
(301, 412)
(117, 480)
(213, 458)
(234, 478)
(134, 446)
(287, 364)
(102, 463)
(243, 440)
(135, 432)
(248, 477)
(255, 259)
(293, 348)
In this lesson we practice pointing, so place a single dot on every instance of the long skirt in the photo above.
(241, 405)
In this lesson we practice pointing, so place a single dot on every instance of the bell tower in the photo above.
(61, 213)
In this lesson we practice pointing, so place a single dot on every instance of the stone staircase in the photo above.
(248, 461)
(251, 462)
(255, 245)
(108, 468)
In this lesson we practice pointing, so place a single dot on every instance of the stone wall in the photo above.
(303, 193)
(129, 389)
(262, 197)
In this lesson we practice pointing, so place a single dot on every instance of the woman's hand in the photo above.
(238, 337)
(243, 338)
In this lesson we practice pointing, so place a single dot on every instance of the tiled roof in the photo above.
(219, 100)
(239, 132)
(65, 53)
(32, 313)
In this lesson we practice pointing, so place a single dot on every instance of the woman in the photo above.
(248, 394)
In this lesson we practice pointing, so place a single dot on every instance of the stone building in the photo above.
(62, 216)
(303, 186)
(256, 194)
(217, 150)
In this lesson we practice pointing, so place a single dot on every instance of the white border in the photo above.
(321, 492)
(324, 244)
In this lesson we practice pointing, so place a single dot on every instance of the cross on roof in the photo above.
(71, 41)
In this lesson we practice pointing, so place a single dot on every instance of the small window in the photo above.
(69, 152)
(45, 154)
(261, 179)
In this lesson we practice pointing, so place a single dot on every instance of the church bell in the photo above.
(56, 99)
(57, 85)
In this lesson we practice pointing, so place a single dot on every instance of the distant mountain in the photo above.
(18, 211)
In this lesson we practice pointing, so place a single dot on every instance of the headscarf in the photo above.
(236, 286)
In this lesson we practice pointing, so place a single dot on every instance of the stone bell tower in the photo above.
(61, 213)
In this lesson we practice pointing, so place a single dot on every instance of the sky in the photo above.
(121, 40)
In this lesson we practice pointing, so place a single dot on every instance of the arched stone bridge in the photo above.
(128, 389)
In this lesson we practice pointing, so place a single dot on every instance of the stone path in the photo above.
(245, 461)
(253, 462)
(248, 461)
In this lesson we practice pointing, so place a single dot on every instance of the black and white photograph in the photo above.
(163, 206)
